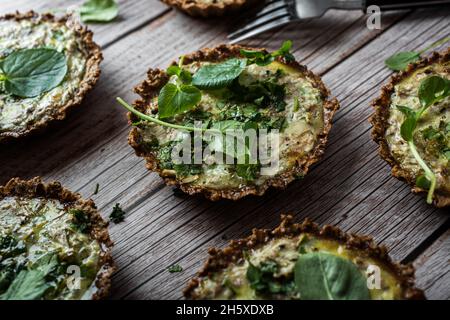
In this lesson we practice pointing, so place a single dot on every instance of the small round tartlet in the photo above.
(21, 117)
(53, 244)
(284, 263)
(303, 117)
(209, 8)
(432, 135)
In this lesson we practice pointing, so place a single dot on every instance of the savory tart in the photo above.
(411, 124)
(209, 8)
(53, 244)
(239, 88)
(22, 35)
(303, 261)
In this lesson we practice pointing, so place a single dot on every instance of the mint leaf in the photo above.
(400, 61)
(30, 72)
(218, 75)
(31, 283)
(99, 11)
(324, 276)
(173, 99)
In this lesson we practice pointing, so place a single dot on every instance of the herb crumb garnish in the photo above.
(97, 188)
(175, 268)
(117, 215)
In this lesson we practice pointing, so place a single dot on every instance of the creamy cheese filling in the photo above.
(233, 283)
(436, 120)
(33, 228)
(302, 119)
(17, 114)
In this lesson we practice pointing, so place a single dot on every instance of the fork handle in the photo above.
(405, 4)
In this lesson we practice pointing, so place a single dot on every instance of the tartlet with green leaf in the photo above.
(53, 244)
(303, 261)
(411, 124)
(47, 66)
(232, 88)
(209, 8)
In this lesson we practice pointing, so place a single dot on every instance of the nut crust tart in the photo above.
(283, 264)
(53, 244)
(432, 135)
(282, 95)
(22, 116)
(209, 8)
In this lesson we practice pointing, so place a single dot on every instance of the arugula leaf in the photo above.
(248, 172)
(99, 10)
(400, 60)
(30, 72)
(31, 283)
(213, 76)
(173, 99)
(324, 276)
(117, 215)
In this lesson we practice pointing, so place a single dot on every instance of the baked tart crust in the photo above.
(201, 8)
(36, 188)
(379, 121)
(220, 259)
(91, 74)
(156, 79)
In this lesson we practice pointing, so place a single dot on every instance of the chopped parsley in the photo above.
(117, 215)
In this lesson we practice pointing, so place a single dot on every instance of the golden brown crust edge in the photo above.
(36, 188)
(379, 120)
(90, 78)
(156, 79)
(221, 258)
(197, 9)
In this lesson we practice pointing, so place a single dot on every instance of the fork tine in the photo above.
(235, 38)
(268, 8)
(277, 14)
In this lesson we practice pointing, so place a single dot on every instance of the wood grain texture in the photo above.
(433, 269)
(351, 187)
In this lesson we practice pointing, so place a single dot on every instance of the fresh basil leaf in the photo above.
(175, 99)
(433, 89)
(324, 276)
(400, 60)
(30, 72)
(99, 10)
(225, 125)
(423, 182)
(219, 75)
(31, 284)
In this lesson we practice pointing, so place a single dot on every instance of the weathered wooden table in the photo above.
(350, 187)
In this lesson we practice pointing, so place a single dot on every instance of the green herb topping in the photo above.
(99, 11)
(31, 72)
(175, 268)
(431, 90)
(401, 60)
(117, 215)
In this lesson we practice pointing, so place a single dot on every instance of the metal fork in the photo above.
(276, 13)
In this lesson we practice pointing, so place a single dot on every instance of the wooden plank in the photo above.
(132, 15)
(162, 228)
(433, 269)
(345, 173)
